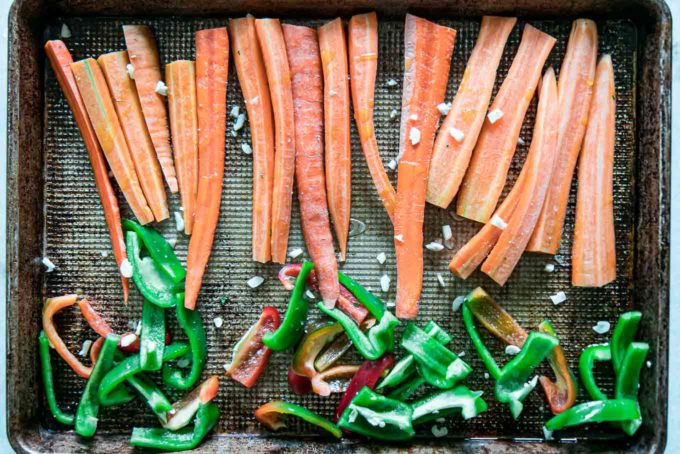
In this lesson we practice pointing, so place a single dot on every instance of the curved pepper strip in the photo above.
(148, 276)
(406, 390)
(366, 377)
(628, 380)
(377, 416)
(482, 351)
(440, 404)
(310, 347)
(271, 415)
(182, 412)
(50, 308)
(623, 335)
(338, 348)
(159, 249)
(48, 382)
(595, 411)
(494, 318)
(320, 381)
(152, 342)
(586, 366)
(561, 393)
(151, 394)
(190, 322)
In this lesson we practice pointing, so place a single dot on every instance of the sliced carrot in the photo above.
(302, 47)
(575, 89)
(253, 80)
(146, 66)
(488, 169)
(97, 100)
(363, 66)
(594, 250)
(273, 49)
(212, 68)
(337, 123)
(427, 60)
(181, 82)
(458, 134)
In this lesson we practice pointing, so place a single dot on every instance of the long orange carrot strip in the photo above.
(427, 60)
(575, 89)
(508, 250)
(273, 49)
(212, 68)
(302, 47)
(363, 66)
(337, 123)
(458, 134)
(253, 80)
(485, 177)
(97, 100)
(60, 59)
(131, 119)
(594, 250)
(181, 82)
(146, 64)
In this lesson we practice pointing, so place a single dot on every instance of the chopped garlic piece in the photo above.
(392, 164)
(179, 221)
(439, 431)
(255, 281)
(233, 113)
(246, 148)
(391, 83)
(127, 340)
(440, 279)
(549, 267)
(547, 434)
(512, 350)
(486, 375)
(226, 366)
(413, 117)
(399, 238)
(385, 283)
(457, 303)
(496, 221)
(49, 266)
(602, 327)
(457, 134)
(104, 253)
(558, 298)
(130, 71)
(444, 108)
(240, 121)
(393, 114)
(435, 246)
(461, 354)
(648, 364)
(381, 258)
(414, 135)
(521, 141)
(495, 115)
(332, 92)
(310, 295)
(65, 31)
(295, 253)
(446, 231)
(161, 88)
(172, 241)
(85, 349)
(218, 322)
(126, 268)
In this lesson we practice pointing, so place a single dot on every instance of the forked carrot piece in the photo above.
(212, 68)
(253, 80)
(427, 60)
(131, 119)
(60, 60)
(181, 80)
(488, 169)
(97, 100)
(273, 49)
(302, 47)
(575, 90)
(458, 134)
(363, 66)
(146, 65)
(337, 123)
(594, 251)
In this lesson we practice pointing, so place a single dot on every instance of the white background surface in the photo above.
(673, 444)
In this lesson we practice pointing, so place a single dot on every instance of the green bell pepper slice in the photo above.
(190, 322)
(482, 351)
(311, 346)
(628, 380)
(152, 342)
(595, 411)
(148, 276)
(159, 249)
(272, 415)
(586, 367)
(48, 381)
(377, 416)
(442, 403)
(407, 389)
(623, 335)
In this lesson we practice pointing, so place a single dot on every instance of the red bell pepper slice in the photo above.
(299, 384)
(50, 308)
(368, 375)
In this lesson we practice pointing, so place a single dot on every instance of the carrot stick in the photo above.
(60, 60)
(302, 47)
(273, 49)
(594, 251)
(363, 65)
(147, 72)
(575, 89)
(458, 134)
(337, 123)
(181, 81)
(427, 60)
(212, 68)
(97, 100)
(253, 80)
(488, 169)
(131, 119)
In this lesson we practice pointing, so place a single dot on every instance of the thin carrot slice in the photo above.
(488, 169)
(363, 66)
(212, 68)
(273, 49)
(253, 80)
(427, 60)
(337, 123)
(181, 82)
(458, 134)
(575, 90)
(508, 250)
(594, 250)
(60, 60)
(302, 47)
(102, 113)
(146, 65)
(131, 119)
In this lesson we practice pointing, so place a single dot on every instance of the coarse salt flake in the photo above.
(435, 246)
(390, 304)
(486, 375)
(172, 241)
(457, 303)
(521, 141)
(496, 221)
(461, 354)
(414, 136)
(104, 253)
(65, 31)
(549, 267)
(49, 266)
(179, 221)
(233, 113)
(381, 258)
(399, 238)
(246, 148)
(85, 349)
(255, 281)
(444, 108)
(310, 295)
(391, 83)
(495, 115)
(126, 268)
(440, 279)
(253, 101)
(332, 92)
(413, 117)
(295, 252)
(457, 134)
(558, 298)
(240, 121)
(392, 164)
(161, 88)
(130, 70)
(385, 283)
(393, 114)
(648, 364)
(602, 327)
(512, 350)
(218, 321)
(128, 339)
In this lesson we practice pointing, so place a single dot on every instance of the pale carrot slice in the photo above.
(60, 60)
(97, 100)
(594, 250)
(253, 80)
(273, 49)
(575, 89)
(181, 79)
(491, 158)
(337, 123)
(302, 47)
(363, 66)
(146, 66)
(212, 68)
(427, 60)
(131, 119)
(458, 134)
(508, 250)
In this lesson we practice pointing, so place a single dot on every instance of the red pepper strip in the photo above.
(299, 384)
(51, 307)
(368, 375)
(250, 354)
(321, 382)
(561, 394)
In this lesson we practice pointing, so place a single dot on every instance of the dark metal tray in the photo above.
(54, 211)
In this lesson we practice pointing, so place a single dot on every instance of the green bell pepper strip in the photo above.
(623, 335)
(377, 416)
(338, 348)
(367, 299)
(442, 403)
(595, 411)
(48, 382)
(494, 318)
(151, 394)
(628, 380)
(586, 366)
(311, 346)
(561, 393)
(152, 341)
(271, 415)
(477, 341)
(149, 277)
(159, 249)
(406, 390)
